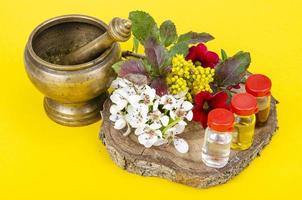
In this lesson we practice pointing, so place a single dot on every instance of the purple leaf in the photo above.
(155, 52)
(233, 69)
(193, 37)
(160, 86)
(138, 79)
(132, 66)
(166, 69)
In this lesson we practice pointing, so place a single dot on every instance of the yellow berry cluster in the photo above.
(186, 77)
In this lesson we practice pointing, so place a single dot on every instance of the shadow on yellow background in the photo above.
(42, 160)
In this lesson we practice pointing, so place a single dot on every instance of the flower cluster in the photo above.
(156, 120)
(200, 54)
(152, 95)
(204, 102)
(185, 77)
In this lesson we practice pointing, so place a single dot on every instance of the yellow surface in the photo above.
(42, 160)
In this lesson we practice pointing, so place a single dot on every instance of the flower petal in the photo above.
(172, 114)
(186, 105)
(139, 130)
(155, 105)
(181, 94)
(120, 124)
(121, 104)
(202, 49)
(115, 83)
(201, 97)
(134, 99)
(155, 126)
(200, 116)
(180, 127)
(115, 97)
(219, 100)
(192, 54)
(159, 134)
(114, 117)
(150, 92)
(160, 142)
(189, 115)
(114, 109)
(181, 145)
(211, 59)
(146, 140)
(164, 120)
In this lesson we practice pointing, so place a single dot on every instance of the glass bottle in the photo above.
(218, 138)
(244, 107)
(259, 86)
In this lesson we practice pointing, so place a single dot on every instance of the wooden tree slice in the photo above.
(164, 161)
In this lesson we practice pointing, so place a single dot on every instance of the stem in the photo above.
(171, 125)
(126, 54)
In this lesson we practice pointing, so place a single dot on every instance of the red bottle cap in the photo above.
(244, 104)
(221, 120)
(258, 85)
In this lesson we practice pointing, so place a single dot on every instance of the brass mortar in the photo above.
(74, 94)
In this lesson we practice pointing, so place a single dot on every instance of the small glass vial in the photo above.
(244, 107)
(218, 138)
(259, 86)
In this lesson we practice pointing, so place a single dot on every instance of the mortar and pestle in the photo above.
(69, 59)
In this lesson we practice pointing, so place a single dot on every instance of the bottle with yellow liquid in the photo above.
(244, 107)
(259, 86)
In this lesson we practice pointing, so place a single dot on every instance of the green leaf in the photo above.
(117, 66)
(243, 80)
(143, 26)
(147, 65)
(135, 45)
(229, 93)
(223, 55)
(193, 37)
(232, 70)
(167, 32)
(179, 48)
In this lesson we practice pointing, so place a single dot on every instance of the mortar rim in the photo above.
(65, 19)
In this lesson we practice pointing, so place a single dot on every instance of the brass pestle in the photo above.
(119, 30)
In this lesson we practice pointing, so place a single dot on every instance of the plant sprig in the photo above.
(160, 45)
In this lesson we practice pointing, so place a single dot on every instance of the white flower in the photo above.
(137, 115)
(119, 101)
(158, 118)
(160, 142)
(121, 83)
(181, 95)
(134, 100)
(179, 127)
(168, 102)
(139, 107)
(148, 136)
(183, 110)
(148, 95)
(120, 124)
(175, 130)
(125, 92)
(181, 145)
(122, 96)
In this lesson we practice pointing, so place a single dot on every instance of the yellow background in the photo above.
(42, 160)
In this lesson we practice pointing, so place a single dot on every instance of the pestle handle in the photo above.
(119, 30)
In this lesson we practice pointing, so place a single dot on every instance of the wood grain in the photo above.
(188, 169)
